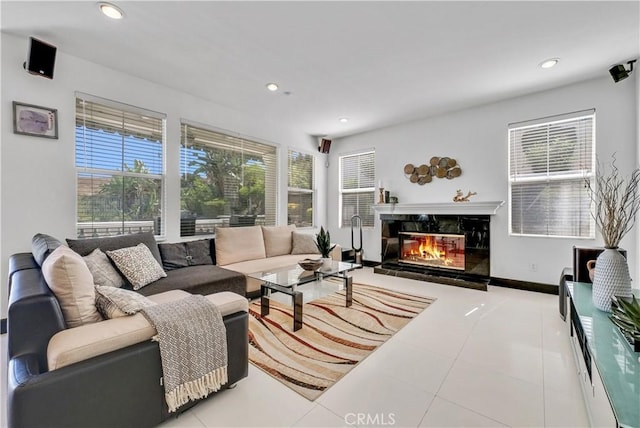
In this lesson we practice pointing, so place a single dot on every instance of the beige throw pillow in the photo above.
(277, 239)
(71, 281)
(303, 243)
(117, 302)
(138, 265)
(239, 244)
(102, 270)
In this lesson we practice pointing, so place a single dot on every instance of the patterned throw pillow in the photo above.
(138, 265)
(102, 270)
(303, 243)
(117, 302)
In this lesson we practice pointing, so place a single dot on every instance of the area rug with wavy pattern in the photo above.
(333, 338)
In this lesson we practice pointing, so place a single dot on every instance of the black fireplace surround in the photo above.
(475, 229)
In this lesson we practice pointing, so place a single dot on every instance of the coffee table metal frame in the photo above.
(274, 281)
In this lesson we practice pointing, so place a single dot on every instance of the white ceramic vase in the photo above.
(326, 262)
(611, 278)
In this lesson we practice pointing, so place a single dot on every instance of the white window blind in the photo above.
(357, 188)
(300, 189)
(548, 163)
(119, 167)
(226, 180)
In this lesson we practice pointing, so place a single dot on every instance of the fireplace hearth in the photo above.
(449, 249)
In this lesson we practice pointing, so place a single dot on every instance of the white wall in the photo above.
(477, 138)
(37, 175)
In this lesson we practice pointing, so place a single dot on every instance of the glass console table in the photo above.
(608, 366)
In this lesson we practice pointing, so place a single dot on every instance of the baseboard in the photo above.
(525, 285)
(3, 326)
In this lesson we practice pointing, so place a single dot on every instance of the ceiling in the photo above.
(375, 63)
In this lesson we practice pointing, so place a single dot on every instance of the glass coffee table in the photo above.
(287, 280)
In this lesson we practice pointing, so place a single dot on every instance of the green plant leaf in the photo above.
(631, 309)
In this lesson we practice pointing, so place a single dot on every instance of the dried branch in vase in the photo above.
(616, 202)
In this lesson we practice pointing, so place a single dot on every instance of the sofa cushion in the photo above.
(71, 281)
(102, 270)
(277, 239)
(77, 344)
(183, 254)
(137, 264)
(237, 244)
(86, 245)
(42, 245)
(116, 302)
(202, 279)
(303, 243)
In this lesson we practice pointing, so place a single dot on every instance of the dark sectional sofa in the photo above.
(190, 266)
(121, 388)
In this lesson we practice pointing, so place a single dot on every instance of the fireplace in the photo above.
(450, 249)
(431, 250)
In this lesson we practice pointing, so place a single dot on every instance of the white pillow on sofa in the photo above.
(138, 265)
(239, 244)
(304, 243)
(277, 239)
(71, 281)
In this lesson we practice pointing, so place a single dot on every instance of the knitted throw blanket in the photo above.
(193, 348)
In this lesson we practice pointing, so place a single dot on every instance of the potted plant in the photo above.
(323, 242)
(616, 203)
(626, 315)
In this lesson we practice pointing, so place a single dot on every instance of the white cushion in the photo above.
(303, 243)
(71, 281)
(77, 344)
(277, 239)
(237, 244)
(138, 265)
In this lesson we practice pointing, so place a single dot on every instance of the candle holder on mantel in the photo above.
(381, 189)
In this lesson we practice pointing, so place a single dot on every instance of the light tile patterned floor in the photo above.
(472, 359)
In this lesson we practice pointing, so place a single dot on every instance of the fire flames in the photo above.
(427, 249)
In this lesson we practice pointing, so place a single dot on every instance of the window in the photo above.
(357, 188)
(225, 181)
(300, 194)
(119, 167)
(548, 165)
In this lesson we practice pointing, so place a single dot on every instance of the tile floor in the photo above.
(472, 359)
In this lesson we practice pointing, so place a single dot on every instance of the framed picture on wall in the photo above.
(35, 120)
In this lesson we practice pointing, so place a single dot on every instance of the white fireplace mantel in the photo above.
(455, 208)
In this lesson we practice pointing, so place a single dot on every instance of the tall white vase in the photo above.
(611, 279)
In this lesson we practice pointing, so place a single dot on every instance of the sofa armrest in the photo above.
(24, 368)
(33, 315)
(121, 388)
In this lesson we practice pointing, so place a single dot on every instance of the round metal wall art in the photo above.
(444, 167)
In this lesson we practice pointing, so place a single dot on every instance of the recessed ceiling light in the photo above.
(549, 63)
(272, 87)
(111, 10)
(344, 119)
